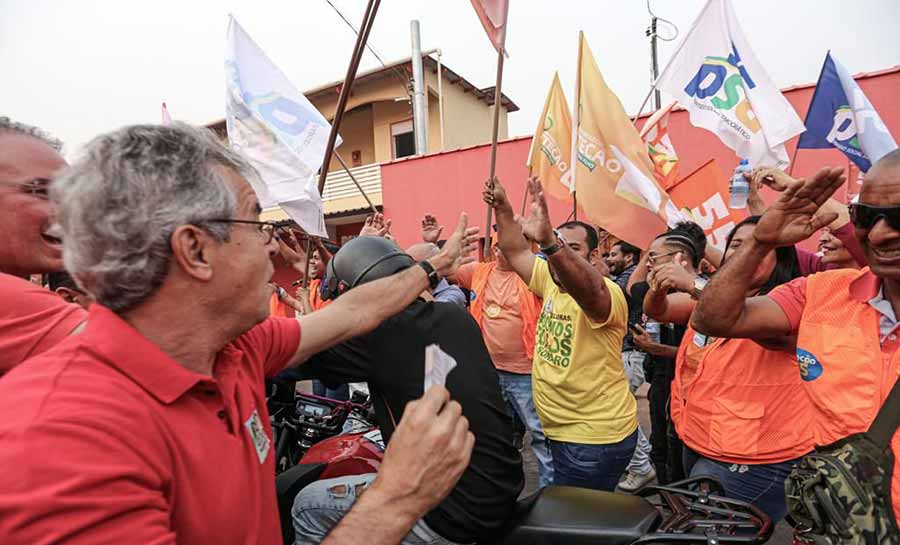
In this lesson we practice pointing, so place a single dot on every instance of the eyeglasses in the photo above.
(266, 228)
(864, 216)
(37, 187)
(651, 258)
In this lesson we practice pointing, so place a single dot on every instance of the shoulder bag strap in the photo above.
(887, 420)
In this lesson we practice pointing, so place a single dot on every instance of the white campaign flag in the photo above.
(277, 129)
(717, 78)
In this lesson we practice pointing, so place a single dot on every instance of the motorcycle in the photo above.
(691, 511)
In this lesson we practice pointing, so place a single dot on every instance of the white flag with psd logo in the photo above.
(717, 78)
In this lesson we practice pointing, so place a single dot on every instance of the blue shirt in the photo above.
(445, 293)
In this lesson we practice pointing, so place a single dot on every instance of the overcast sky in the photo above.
(78, 68)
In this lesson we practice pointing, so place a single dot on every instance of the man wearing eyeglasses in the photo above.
(845, 321)
(151, 426)
(32, 319)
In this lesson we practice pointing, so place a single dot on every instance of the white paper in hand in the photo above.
(438, 365)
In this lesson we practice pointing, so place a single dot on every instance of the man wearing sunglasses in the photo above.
(32, 319)
(845, 321)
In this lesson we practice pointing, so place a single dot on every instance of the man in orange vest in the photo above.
(507, 313)
(845, 320)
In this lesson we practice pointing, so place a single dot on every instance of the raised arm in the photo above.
(510, 236)
(363, 308)
(724, 310)
(576, 274)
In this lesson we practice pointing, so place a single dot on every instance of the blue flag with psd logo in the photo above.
(840, 116)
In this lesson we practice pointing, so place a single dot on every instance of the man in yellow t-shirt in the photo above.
(580, 390)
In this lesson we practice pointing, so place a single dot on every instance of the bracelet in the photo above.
(433, 278)
(557, 245)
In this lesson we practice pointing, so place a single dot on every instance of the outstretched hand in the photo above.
(537, 226)
(376, 226)
(458, 249)
(794, 216)
(431, 231)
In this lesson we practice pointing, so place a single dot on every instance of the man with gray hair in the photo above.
(444, 292)
(151, 426)
(32, 319)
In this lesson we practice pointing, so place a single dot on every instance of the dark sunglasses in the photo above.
(864, 216)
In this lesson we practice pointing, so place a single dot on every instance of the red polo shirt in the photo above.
(106, 439)
(32, 320)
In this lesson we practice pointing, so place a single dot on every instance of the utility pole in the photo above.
(419, 121)
(654, 62)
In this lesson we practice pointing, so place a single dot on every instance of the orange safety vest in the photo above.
(315, 298)
(845, 373)
(278, 308)
(529, 304)
(737, 402)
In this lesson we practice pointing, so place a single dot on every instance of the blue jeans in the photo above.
(591, 466)
(516, 390)
(633, 361)
(759, 484)
(321, 505)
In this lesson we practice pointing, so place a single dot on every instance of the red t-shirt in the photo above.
(32, 320)
(106, 439)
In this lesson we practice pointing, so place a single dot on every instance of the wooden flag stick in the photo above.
(793, 159)
(527, 191)
(498, 95)
(308, 256)
(361, 38)
(352, 177)
(575, 205)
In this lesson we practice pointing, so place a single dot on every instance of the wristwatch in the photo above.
(556, 246)
(433, 278)
(699, 284)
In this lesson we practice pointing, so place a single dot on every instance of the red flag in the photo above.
(493, 18)
(166, 119)
(655, 134)
(702, 195)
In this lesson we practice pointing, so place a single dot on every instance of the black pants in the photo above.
(665, 446)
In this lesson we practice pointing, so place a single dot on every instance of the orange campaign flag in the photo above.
(702, 195)
(551, 146)
(612, 172)
(493, 15)
(655, 134)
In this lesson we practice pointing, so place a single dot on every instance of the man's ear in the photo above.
(193, 250)
(594, 256)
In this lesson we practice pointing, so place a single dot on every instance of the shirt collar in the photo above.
(865, 287)
(442, 285)
(124, 348)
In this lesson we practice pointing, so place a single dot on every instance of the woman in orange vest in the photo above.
(743, 417)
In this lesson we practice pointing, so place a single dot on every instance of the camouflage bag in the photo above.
(841, 493)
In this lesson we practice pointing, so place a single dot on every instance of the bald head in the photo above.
(881, 185)
(423, 251)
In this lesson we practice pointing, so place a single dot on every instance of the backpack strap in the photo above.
(887, 420)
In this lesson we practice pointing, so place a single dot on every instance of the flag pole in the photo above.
(793, 158)
(308, 255)
(576, 121)
(352, 177)
(498, 95)
(575, 205)
(361, 38)
(527, 191)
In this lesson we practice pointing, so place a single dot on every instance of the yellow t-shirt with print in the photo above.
(579, 386)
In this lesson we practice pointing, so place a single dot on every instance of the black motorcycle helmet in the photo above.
(362, 260)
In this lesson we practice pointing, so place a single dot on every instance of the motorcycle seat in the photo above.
(579, 516)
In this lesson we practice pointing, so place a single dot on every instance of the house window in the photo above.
(404, 143)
